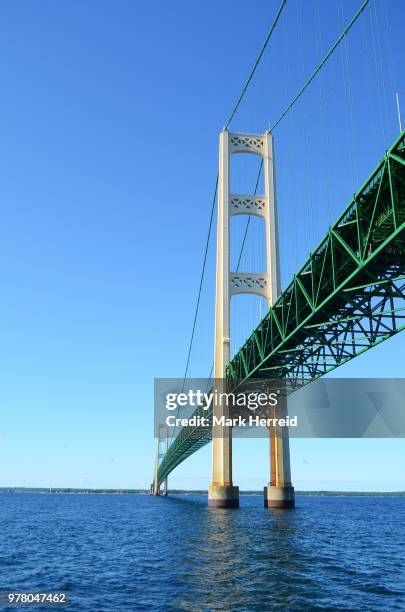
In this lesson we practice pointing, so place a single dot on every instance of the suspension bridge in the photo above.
(348, 297)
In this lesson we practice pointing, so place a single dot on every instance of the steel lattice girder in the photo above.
(348, 297)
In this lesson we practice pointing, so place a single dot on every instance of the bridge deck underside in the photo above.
(348, 297)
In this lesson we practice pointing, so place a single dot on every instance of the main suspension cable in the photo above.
(255, 65)
(318, 68)
(235, 108)
(201, 281)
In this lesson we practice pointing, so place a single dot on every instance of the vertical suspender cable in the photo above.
(318, 68)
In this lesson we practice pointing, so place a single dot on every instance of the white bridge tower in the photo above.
(279, 491)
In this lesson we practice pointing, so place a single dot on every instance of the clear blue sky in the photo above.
(110, 116)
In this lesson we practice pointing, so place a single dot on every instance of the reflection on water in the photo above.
(221, 569)
(311, 558)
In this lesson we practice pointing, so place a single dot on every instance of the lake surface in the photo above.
(135, 552)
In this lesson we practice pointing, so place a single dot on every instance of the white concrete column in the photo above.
(279, 493)
(270, 214)
(221, 492)
(222, 310)
(165, 484)
(155, 480)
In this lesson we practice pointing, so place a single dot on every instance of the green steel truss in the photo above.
(348, 297)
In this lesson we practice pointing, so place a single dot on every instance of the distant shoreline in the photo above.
(67, 490)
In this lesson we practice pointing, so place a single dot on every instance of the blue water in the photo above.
(134, 552)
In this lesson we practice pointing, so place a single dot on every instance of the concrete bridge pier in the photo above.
(155, 484)
(162, 440)
(279, 492)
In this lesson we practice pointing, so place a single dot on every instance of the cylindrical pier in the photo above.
(223, 496)
(279, 497)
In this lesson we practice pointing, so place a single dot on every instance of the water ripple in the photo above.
(128, 552)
